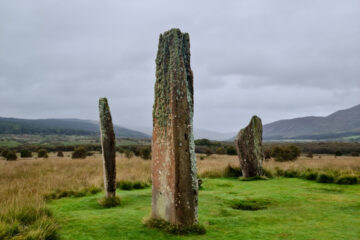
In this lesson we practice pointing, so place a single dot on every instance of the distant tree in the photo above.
(25, 153)
(42, 153)
(60, 154)
(220, 150)
(145, 153)
(79, 152)
(129, 154)
(355, 154)
(267, 154)
(231, 150)
(5, 152)
(203, 141)
(338, 153)
(309, 155)
(285, 153)
(11, 156)
(208, 151)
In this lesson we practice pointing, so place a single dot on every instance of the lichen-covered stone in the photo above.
(175, 186)
(249, 148)
(108, 147)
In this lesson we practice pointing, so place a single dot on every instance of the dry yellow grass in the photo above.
(344, 165)
(25, 182)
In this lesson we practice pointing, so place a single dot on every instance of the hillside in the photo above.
(61, 127)
(341, 125)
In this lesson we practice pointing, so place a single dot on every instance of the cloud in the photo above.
(274, 58)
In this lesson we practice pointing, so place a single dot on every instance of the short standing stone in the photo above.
(108, 147)
(249, 148)
(175, 186)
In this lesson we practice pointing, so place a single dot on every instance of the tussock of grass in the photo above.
(232, 172)
(175, 229)
(325, 178)
(128, 185)
(347, 180)
(57, 194)
(28, 223)
(109, 202)
(249, 204)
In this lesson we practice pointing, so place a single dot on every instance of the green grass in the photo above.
(9, 143)
(293, 209)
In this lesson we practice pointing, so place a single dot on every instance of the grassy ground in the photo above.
(25, 182)
(294, 209)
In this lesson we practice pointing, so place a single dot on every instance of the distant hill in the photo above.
(211, 135)
(341, 125)
(198, 133)
(61, 127)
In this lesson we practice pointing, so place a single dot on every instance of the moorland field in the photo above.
(44, 198)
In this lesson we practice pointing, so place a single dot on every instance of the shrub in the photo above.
(220, 150)
(279, 172)
(109, 202)
(145, 153)
(202, 157)
(309, 175)
(42, 153)
(203, 142)
(267, 173)
(347, 180)
(309, 155)
(4, 153)
(325, 178)
(129, 154)
(285, 153)
(233, 172)
(25, 153)
(355, 154)
(291, 174)
(267, 154)
(60, 154)
(338, 153)
(80, 152)
(11, 156)
(208, 151)
(231, 150)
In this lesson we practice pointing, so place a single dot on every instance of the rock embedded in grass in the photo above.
(249, 148)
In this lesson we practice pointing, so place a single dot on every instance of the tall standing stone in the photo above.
(108, 148)
(249, 148)
(175, 187)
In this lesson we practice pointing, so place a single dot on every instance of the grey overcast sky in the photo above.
(274, 58)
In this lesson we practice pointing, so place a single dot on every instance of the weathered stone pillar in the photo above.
(108, 148)
(175, 187)
(249, 148)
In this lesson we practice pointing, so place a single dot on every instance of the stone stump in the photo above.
(249, 148)
(174, 181)
(108, 148)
